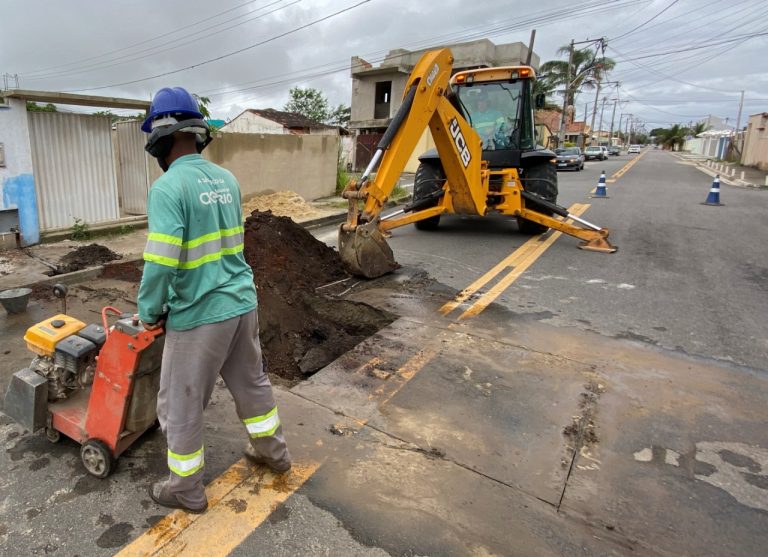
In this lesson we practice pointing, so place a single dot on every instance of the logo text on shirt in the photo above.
(218, 196)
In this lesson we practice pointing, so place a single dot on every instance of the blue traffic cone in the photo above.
(714, 193)
(600, 190)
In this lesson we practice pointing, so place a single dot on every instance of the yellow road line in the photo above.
(236, 516)
(512, 260)
(530, 257)
(620, 172)
(241, 498)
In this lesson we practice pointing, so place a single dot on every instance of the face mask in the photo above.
(163, 164)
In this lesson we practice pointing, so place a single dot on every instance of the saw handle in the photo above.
(104, 311)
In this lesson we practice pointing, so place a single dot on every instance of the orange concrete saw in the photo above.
(96, 384)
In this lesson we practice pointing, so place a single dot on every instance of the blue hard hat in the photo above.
(172, 101)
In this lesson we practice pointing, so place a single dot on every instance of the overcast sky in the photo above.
(249, 54)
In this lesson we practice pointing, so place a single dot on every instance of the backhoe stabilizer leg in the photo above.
(364, 251)
(594, 240)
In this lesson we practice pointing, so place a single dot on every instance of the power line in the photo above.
(707, 45)
(223, 56)
(645, 22)
(164, 35)
(538, 19)
(152, 51)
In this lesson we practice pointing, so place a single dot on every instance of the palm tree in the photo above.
(698, 128)
(586, 69)
(673, 137)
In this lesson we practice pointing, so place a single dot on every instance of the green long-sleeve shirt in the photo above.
(193, 261)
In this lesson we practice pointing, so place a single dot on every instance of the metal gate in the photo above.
(74, 168)
(132, 167)
(366, 146)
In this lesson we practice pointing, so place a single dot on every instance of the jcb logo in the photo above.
(461, 143)
(432, 75)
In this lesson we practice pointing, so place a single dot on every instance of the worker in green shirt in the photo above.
(488, 122)
(198, 285)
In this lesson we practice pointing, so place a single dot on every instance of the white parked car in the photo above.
(633, 149)
(595, 152)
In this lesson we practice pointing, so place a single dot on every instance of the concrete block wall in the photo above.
(17, 180)
(305, 164)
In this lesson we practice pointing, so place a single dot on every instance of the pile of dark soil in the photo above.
(302, 330)
(91, 255)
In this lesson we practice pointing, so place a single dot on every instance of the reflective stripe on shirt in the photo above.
(170, 251)
(211, 247)
(163, 249)
(185, 464)
(263, 426)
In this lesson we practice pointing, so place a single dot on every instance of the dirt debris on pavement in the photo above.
(83, 257)
(302, 329)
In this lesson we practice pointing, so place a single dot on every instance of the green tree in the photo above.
(34, 107)
(699, 127)
(672, 138)
(585, 70)
(339, 116)
(203, 103)
(308, 102)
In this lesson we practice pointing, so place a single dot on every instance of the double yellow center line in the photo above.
(516, 263)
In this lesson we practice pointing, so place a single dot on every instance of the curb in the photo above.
(96, 231)
(81, 275)
(323, 221)
(735, 182)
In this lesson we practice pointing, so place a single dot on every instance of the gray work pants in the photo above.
(192, 360)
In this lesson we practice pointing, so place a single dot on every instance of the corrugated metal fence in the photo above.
(74, 168)
(135, 172)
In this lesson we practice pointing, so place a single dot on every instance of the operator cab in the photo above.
(497, 104)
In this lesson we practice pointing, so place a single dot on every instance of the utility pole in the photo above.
(613, 116)
(738, 117)
(594, 112)
(600, 127)
(621, 115)
(569, 82)
(735, 138)
(563, 119)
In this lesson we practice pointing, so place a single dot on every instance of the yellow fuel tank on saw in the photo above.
(43, 337)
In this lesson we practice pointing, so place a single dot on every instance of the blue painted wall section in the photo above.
(19, 191)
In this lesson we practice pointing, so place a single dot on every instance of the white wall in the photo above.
(17, 181)
(248, 122)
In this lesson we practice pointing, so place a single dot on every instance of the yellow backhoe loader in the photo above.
(486, 162)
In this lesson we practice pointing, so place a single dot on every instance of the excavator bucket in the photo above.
(364, 251)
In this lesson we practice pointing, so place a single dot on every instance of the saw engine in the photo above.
(66, 351)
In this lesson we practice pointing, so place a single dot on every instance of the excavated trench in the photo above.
(303, 327)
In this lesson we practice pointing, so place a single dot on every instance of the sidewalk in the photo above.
(732, 174)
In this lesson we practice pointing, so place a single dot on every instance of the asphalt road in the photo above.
(567, 418)
(687, 277)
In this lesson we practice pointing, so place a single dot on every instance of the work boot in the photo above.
(160, 494)
(277, 466)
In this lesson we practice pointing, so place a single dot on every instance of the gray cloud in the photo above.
(60, 46)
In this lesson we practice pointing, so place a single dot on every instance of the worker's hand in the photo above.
(148, 326)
